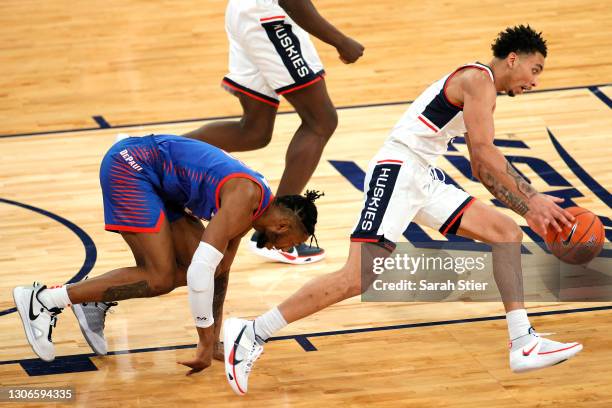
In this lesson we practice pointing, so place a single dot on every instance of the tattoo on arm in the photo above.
(508, 198)
(219, 297)
(522, 184)
(129, 291)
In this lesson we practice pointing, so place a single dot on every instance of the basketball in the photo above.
(581, 242)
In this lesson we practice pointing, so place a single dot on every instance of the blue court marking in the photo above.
(82, 362)
(101, 122)
(305, 343)
(61, 365)
(440, 323)
(366, 105)
(586, 179)
(351, 171)
(604, 98)
(90, 248)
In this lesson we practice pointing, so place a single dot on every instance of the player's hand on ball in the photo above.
(218, 353)
(202, 360)
(544, 213)
(349, 50)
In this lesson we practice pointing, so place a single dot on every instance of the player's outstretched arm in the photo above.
(212, 259)
(493, 170)
(306, 15)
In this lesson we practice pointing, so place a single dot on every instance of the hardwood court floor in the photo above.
(142, 62)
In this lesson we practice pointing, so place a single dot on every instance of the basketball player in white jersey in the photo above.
(271, 54)
(460, 103)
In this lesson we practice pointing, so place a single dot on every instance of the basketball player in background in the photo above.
(155, 191)
(271, 54)
(462, 102)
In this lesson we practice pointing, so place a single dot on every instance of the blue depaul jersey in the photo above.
(145, 178)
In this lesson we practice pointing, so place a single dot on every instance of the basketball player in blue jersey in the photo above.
(271, 54)
(155, 191)
(460, 103)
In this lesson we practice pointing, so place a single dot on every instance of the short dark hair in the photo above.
(303, 207)
(519, 39)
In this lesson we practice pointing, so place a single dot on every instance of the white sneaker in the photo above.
(91, 318)
(241, 349)
(37, 320)
(531, 352)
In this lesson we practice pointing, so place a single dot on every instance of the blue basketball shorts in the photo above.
(130, 188)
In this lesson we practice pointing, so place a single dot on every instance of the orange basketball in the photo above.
(581, 242)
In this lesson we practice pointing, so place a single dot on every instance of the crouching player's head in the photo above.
(288, 222)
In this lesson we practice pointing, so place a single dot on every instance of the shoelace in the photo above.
(52, 324)
(533, 332)
(54, 311)
(315, 239)
(252, 357)
(104, 309)
(309, 244)
(108, 306)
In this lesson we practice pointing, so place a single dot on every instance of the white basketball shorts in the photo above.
(401, 188)
(269, 53)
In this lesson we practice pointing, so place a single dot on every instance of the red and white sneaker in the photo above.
(242, 349)
(532, 351)
(298, 255)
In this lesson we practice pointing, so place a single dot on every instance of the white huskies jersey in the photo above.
(432, 120)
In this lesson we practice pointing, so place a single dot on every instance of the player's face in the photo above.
(525, 73)
(281, 237)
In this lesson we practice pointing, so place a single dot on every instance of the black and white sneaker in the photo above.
(37, 320)
(298, 255)
(91, 318)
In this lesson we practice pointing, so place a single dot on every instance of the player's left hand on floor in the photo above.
(195, 365)
(202, 360)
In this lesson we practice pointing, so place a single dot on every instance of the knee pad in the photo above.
(201, 283)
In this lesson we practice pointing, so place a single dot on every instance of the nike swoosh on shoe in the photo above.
(31, 310)
(527, 353)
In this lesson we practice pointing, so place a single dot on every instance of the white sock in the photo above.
(55, 297)
(269, 323)
(518, 323)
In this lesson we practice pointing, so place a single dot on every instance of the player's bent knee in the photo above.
(262, 140)
(517, 234)
(328, 125)
(323, 124)
(257, 129)
(331, 122)
(507, 230)
(258, 137)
